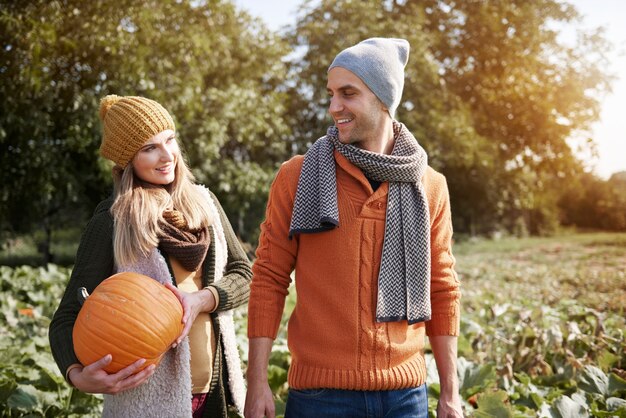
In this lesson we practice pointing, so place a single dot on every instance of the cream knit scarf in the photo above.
(404, 277)
(167, 393)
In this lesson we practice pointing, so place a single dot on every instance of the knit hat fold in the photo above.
(127, 123)
(379, 63)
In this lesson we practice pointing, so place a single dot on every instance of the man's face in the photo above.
(358, 114)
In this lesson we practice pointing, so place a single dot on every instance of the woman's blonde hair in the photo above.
(138, 208)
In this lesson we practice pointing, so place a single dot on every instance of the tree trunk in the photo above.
(46, 245)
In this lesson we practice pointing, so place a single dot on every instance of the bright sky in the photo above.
(609, 133)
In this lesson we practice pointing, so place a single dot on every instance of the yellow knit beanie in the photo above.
(127, 123)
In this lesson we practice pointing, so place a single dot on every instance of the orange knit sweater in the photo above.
(333, 337)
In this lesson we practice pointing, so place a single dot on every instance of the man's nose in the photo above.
(335, 105)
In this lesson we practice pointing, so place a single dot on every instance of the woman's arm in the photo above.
(94, 263)
(234, 288)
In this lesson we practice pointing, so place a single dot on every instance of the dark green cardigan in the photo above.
(94, 263)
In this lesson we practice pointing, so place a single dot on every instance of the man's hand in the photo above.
(449, 406)
(93, 378)
(259, 399)
(445, 352)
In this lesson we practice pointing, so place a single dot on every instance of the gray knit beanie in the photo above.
(379, 63)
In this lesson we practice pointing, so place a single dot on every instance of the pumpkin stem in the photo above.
(82, 295)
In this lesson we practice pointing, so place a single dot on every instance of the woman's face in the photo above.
(155, 161)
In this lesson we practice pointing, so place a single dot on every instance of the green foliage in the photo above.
(24, 249)
(538, 312)
(43, 125)
(30, 383)
(490, 92)
(492, 107)
(493, 405)
(574, 407)
(216, 69)
(522, 352)
(590, 202)
(473, 379)
(525, 348)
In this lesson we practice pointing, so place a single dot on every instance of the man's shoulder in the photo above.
(433, 175)
(289, 171)
(286, 179)
(293, 164)
(434, 183)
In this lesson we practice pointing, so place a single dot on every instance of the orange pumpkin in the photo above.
(129, 316)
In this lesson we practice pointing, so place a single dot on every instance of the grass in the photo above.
(23, 250)
(542, 330)
(589, 268)
(538, 315)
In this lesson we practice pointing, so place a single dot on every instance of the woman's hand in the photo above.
(93, 378)
(193, 304)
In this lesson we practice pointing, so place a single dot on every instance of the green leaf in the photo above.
(28, 373)
(276, 376)
(464, 346)
(537, 399)
(616, 404)
(279, 407)
(476, 378)
(6, 389)
(523, 378)
(607, 359)
(566, 407)
(546, 411)
(22, 400)
(492, 405)
(615, 408)
(617, 385)
(593, 380)
(434, 390)
(280, 358)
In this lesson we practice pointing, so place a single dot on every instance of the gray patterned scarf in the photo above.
(404, 277)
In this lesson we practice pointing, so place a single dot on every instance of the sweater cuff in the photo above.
(443, 325)
(263, 323)
(69, 369)
(216, 296)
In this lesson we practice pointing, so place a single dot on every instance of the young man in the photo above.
(366, 225)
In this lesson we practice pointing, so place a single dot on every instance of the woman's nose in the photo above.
(167, 154)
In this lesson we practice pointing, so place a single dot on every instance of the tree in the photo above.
(528, 93)
(203, 60)
(593, 203)
(490, 93)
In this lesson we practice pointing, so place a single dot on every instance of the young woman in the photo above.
(160, 224)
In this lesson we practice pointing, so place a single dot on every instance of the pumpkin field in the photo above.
(542, 333)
